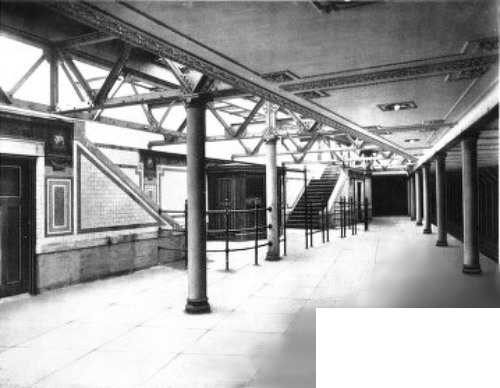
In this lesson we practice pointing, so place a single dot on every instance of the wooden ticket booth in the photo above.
(236, 186)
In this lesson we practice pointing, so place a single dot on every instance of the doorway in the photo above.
(17, 192)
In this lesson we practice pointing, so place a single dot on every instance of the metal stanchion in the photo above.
(311, 226)
(284, 213)
(256, 228)
(355, 209)
(342, 217)
(366, 213)
(327, 219)
(227, 239)
(186, 233)
(323, 232)
(360, 213)
(351, 214)
(306, 215)
(346, 219)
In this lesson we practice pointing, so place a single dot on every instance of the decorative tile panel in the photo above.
(58, 206)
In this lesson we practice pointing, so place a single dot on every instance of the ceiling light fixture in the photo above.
(397, 106)
(411, 140)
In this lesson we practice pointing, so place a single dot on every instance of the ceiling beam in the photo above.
(288, 152)
(239, 132)
(227, 128)
(26, 75)
(295, 159)
(165, 114)
(113, 75)
(85, 40)
(78, 75)
(168, 96)
(298, 121)
(147, 111)
(73, 84)
(307, 147)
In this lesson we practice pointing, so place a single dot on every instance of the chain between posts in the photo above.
(256, 229)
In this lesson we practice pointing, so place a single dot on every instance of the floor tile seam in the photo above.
(64, 366)
(183, 353)
(93, 349)
(249, 355)
(147, 379)
(235, 330)
(20, 344)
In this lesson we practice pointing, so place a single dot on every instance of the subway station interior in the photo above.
(183, 183)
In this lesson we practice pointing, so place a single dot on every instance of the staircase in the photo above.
(318, 193)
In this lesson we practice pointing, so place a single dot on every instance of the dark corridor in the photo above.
(389, 195)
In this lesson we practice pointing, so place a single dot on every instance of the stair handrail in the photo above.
(339, 187)
(298, 197)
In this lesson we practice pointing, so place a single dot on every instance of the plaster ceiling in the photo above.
(257, 38)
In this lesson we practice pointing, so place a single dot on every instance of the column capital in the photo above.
(270, 134)
(197, 100)
(270, 107)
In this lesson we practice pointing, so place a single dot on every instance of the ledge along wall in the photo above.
(92, 220)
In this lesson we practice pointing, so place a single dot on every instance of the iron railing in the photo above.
(226, 232)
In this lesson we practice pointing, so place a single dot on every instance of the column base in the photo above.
(272, 256)
(419, 223)
(412, 218)
(441, 243)
(428, 231)
(471, 269)
(197, 306)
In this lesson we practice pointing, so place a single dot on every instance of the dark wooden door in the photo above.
(15, 216)
(227, 200)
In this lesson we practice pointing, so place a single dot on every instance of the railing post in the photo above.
(342, 217)
(227, 238)
(351, 214)
(311, 226)
(346, 219)
(323, 224)
(327, 220)
(355, 209)
(256, 228)
(306, 215)
(186, 233)
(366, 213)
(284, 214)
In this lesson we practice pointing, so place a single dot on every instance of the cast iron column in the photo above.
(368, 194)
(412, 197)
(442, 233)
(427, 199)
(418, 195)
(197, 302)
(470, 205)
(408, 190)
(270, 135)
